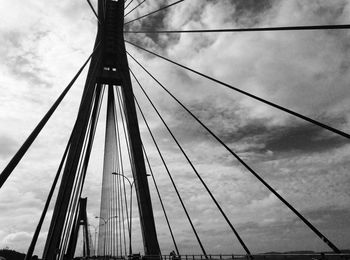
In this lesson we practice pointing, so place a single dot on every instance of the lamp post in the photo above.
(104, 241)
(130, 220)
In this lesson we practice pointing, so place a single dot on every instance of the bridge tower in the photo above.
(109, 68)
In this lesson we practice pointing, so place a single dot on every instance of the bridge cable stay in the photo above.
(93, 10)
(72, 212)
(113, 198)
(122, 111)
(73, 235)
(73, 216)
(169, 174)
(115, 221)
(30, 139)
(156, 186)
(113, 224)
(35, 237)
(72, 209)
(313, 121)
(123, 119)
(116, 228)
(314, 229)
(156, 11)
(31, 248)
(134, 8)
(83, 164)
(106, 186)
(116, 169)
(98, 96)
(194, 168)
(73, 206)
(261, 29)
(119, 229)
(122, 192)
(111, 212)
(110, 197)
(121, 163)
(108, 211)
(121, 186)
(119, 99)
(104, 212)
(94, 122)
(121, 166)
(116, 213)
(119, 217)
(172, 180)
(112, 192)
(25, 146)
(123, 213)
(128, 4)
(161, 200)
(116, 164)
(78, 187)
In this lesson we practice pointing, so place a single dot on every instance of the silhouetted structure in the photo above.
(109, 70)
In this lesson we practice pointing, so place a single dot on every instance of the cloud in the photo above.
(7, 145)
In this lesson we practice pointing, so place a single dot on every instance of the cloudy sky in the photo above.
(43, 44)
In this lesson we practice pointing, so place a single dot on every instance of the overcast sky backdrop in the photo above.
(43, 44)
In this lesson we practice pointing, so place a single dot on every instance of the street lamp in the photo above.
(130, 221)
(105, 223)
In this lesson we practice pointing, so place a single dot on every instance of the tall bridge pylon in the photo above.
(108, 68)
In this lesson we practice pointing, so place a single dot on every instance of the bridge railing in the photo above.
(257, 257)
(315, 256)
(229, 257)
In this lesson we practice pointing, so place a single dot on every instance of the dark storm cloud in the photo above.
(252, 6)
(329, 218)
(302, 138)
(248, 12)
(285, 231)
(232, 126)
(152, 22)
